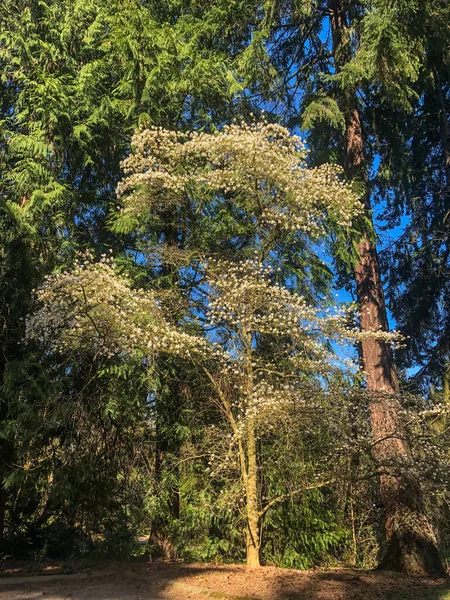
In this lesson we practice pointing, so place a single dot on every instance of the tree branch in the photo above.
(283, 497)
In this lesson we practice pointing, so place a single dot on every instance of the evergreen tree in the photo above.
(414, 175)
(358, 49)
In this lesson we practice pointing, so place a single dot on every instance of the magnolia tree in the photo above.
(260, 169)
(258, 393)
(262, 392)
(93, 307)
(265, 347)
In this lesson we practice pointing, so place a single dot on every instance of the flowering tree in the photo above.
(94, 308)
(260, 392)
(260, 168)
(267, 345)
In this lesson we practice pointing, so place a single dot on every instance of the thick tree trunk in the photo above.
(412, 546)
(411, 543)
(444, 132)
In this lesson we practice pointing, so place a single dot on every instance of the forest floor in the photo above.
(178, 581)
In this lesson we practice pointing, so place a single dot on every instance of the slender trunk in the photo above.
(160, 539)
(5, 452)
(251, 471)
(446, 386)
(353, 475)
(444, 133)
(253, 517)
(411, 543)
(3, 499)
(353, 525)
(160, 543)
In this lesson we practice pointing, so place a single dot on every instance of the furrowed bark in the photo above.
(444, 132)
(411, 543)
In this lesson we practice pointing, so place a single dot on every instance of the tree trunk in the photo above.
(3, 499)
(444, 132)
(160, 542)
(253, 517)
(411, 543)
(161, 546)
(446, 386)
(5, 451)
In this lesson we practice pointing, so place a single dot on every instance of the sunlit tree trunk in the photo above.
(251, 472)
(248, 466)
(411, 543)
(253, 517)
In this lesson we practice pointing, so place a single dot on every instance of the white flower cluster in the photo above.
(261, 167)
(242, 296)
(93, 308)
(271, 399)
(264, 390)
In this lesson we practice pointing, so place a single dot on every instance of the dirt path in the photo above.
(176, 581)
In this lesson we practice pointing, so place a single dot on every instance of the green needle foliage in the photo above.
(77, 78)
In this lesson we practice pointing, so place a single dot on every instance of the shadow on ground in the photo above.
(176, 581)
(360, 585)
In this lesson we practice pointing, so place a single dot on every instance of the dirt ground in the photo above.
(176, 581)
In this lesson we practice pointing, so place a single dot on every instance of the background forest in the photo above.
(195, 303)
